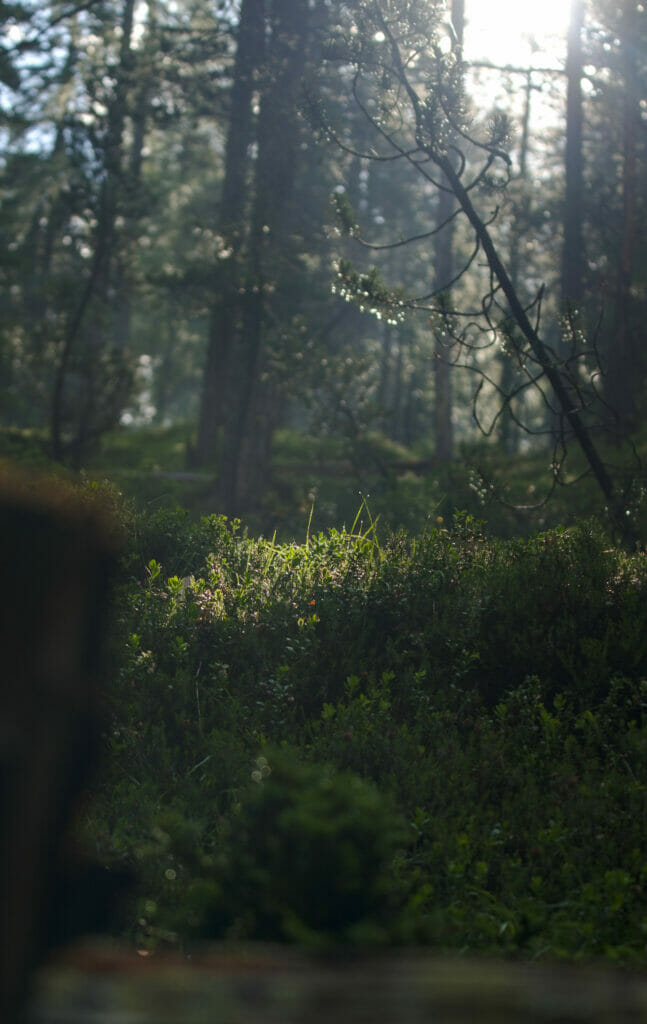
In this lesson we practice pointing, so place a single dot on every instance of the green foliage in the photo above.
(492, 694)
(368, 289)
(307, 859)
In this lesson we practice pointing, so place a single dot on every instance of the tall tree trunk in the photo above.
(278, 140)
(240, 405)
(572, 268)
(620, 370)
(131, 188)
(443, 274)
(572, 277)
(224, 320)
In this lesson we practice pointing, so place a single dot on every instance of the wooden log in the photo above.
(260, 985)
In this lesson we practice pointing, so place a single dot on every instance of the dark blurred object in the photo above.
(57, 556)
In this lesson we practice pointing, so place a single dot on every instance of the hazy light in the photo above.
(519, 34)
(516, 31)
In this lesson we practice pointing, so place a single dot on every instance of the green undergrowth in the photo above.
(406, 487)
(363, 740)
(326, 478)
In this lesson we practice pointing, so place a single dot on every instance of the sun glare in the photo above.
(518, 32)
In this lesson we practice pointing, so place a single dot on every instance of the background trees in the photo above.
(170, 243)
(82, 205)
(258, 223)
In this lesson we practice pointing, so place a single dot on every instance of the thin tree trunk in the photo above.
(98, 283)
(398, 388)
(385, 386)
(509, 375)
(552, 371)
(560, 386)
(443, 274)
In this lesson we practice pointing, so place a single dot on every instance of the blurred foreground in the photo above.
(263, 985)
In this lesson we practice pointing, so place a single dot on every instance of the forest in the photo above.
(303, 245)
(339, 311)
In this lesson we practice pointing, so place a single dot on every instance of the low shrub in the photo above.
(492, 692)
(307, 859)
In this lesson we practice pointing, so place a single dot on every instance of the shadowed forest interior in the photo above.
(338, 309)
